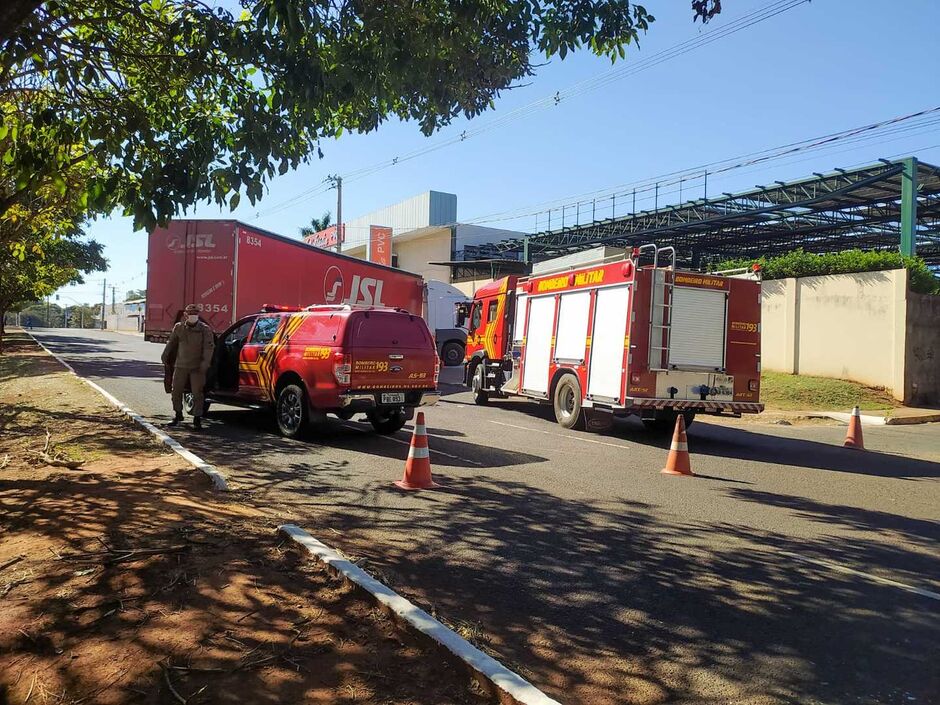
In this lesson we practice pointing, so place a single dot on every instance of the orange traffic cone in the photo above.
(678, 461)
(418, 466)
(853, 438)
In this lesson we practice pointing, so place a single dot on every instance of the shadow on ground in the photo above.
(610, 603)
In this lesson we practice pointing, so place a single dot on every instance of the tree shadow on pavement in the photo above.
(218, 609)
(613, 603)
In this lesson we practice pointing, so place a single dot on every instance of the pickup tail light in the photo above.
(342, 367)
(438, 363)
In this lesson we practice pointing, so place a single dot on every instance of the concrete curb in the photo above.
(219, 481)
(507, 686)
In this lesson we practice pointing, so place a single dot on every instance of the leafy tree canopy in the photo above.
(166, 103)
(39, 273)
(317, 224)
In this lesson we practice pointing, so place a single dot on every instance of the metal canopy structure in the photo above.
(870, 208)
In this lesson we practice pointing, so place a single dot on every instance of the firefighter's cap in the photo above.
(191, 309)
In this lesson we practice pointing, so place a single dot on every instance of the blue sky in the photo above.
(821, 67)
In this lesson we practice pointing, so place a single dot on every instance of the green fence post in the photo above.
(909, 207)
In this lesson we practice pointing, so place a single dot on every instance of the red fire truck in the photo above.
(618, 338)
(229, 270)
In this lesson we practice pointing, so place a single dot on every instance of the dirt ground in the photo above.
(124, 579)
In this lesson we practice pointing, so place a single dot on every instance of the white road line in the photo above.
(868, 576)
(408, 443)
(562, 435)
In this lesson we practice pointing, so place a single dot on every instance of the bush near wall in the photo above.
(807, 264)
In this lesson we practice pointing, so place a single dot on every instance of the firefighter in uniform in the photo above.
(189, 350)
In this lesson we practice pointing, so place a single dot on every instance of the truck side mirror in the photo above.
(461, 314)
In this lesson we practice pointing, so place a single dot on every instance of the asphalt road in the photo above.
(790, 571)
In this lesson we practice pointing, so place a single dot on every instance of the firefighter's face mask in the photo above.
(192, 319)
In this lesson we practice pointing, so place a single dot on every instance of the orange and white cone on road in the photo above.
(678, 462)
(418, 466)
(853, 437)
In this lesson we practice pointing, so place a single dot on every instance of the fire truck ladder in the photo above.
(661, 310)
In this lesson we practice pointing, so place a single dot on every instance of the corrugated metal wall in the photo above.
(428, 208)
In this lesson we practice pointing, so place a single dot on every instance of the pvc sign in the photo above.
(380, 245)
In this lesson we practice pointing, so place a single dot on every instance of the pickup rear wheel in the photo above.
(387, 421)
(189, 402)
(567, 402)
(292, 411)
(478, 384)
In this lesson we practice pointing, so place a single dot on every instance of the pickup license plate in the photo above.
(394, 398)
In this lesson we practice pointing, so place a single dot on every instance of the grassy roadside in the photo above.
(124, 579)
(784, 392)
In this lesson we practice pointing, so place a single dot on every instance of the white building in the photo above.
(425, 236)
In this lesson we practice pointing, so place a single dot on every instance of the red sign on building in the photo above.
(329, 237)
(380, 245)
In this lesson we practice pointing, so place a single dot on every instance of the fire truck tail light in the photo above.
(438, 363)
(342, 367)
(752, 385)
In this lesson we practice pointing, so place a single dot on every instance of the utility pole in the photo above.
(340, 231)
(113, 296)
(104, 295)
(48, 312)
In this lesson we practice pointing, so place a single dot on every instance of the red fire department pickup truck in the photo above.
(616, 338)
(342, 360)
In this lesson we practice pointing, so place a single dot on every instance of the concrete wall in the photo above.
(862, 327)
(922, 359)
(414, 255)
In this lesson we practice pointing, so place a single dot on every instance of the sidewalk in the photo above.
(124, 578)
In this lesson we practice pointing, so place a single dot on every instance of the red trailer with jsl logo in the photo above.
(617, 338)
(229, 270)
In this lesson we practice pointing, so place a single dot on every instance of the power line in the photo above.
(703, 39)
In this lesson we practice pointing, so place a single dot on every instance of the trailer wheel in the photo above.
(667, 423)
(452, 353)
(292, 411)
(477, 384)
(567, 402)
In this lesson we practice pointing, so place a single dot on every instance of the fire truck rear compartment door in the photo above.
(572, 326)
(605, 375)
(538, 344)
(697, 333)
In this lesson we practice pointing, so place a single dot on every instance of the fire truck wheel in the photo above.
(567, 402)
(387, 421)
(293, 414)
(477, 384)
(452, 354)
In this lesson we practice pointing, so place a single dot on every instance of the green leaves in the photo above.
(160, 95)
(798, 263)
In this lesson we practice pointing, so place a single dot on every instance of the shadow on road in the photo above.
(614, 604)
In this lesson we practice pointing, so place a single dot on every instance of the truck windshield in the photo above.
(383, 330)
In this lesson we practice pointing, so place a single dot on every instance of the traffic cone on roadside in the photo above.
(418, 466)
(678, 462)
(853, 437)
